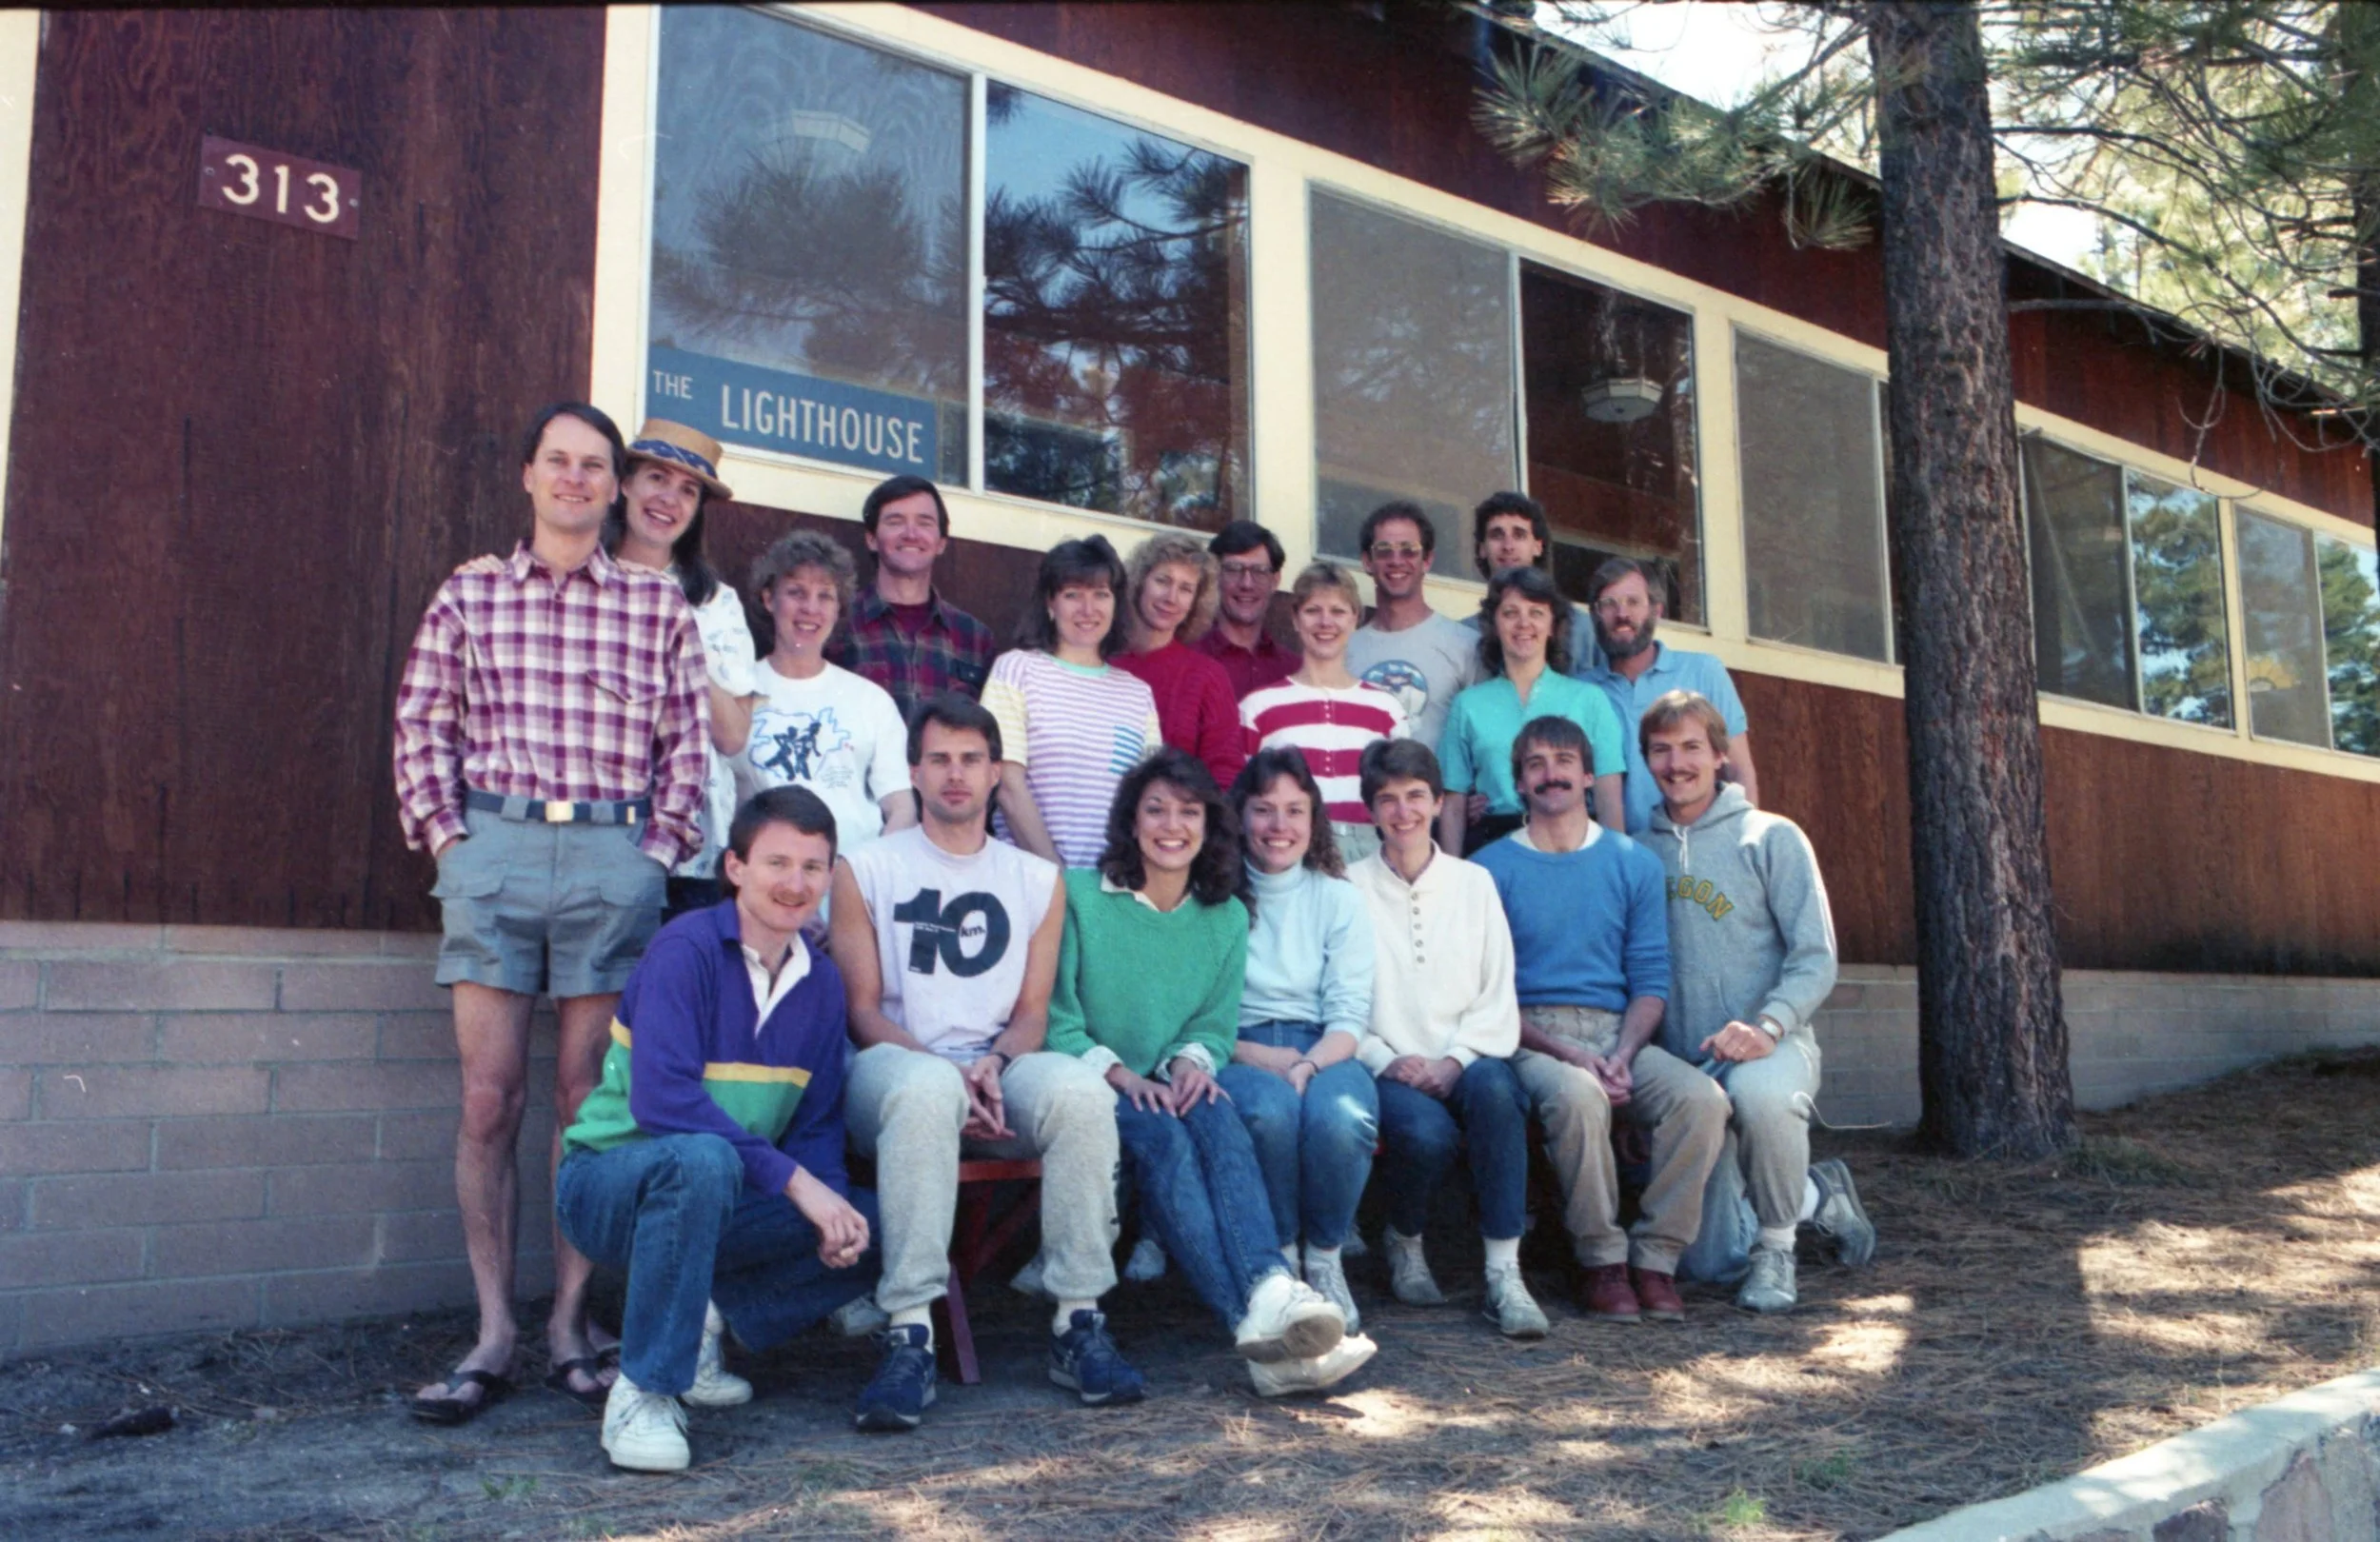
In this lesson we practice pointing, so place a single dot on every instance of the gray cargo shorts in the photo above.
(540, 909)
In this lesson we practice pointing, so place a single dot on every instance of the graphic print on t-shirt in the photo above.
(967, 936)
(796, 746)
(1403, 681)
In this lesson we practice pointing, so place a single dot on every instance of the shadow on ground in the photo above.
(2202, 1251)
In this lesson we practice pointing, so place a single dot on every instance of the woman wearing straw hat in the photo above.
(673, 471)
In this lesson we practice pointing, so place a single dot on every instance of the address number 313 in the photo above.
(270, 185)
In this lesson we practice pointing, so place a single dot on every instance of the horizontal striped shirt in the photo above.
(1332, 728)
(585, 687)
(1077, 731)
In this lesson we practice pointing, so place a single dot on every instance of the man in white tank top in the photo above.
(948, 945)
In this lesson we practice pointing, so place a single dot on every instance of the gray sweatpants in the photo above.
(1685, 1110)
(1761, 1176)
(905, 1109)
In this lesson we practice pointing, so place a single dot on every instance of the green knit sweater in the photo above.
(1143, 982)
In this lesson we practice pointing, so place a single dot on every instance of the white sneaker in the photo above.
(1409, 1278)
(714, 1386)
(1147, 1263)
(644, 1431)
(1770, 1286)
(861, 1318)
(1329, 1278)
(1345, 1357)
(1511, 1307)
(1287, 1321)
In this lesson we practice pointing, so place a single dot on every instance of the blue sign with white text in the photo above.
(775, 409)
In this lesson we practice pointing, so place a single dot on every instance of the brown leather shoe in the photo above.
(1658, 1296)
(1608, 1295)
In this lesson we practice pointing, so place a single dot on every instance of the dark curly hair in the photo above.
(1265, 768)
(1216, 872)
(1530, 584)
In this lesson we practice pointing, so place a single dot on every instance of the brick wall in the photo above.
(219, 1127)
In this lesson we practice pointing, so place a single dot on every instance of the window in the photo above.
(809, 288)
(2081, 599)
(1813, 501)
(2281, 632)
(1413, 374)
(2177, 602)
(812, 263)
(2350, 632)
(1115, 317)
(1608, 386)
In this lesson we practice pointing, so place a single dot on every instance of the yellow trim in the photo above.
(1282, 173)
(792, 1076)
(20, 60)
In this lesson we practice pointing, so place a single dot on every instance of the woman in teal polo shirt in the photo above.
(1524, 646)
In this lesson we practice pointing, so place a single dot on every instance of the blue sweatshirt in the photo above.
(1590, 927)
(1309, 954)
(689, 1055)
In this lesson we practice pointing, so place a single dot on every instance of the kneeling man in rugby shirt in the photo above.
(707, 1163)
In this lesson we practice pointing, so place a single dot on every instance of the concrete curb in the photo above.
(2304, 1467)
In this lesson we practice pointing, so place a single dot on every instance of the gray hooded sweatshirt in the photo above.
(1749, 931)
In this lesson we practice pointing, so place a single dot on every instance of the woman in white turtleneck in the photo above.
(1310, 1106)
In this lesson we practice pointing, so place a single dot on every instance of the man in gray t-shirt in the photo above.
(1406, 647)
(948, 945)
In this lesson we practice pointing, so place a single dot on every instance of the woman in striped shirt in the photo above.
(1072, 724)
(1323, 711)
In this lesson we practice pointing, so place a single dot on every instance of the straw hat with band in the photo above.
(686, 449)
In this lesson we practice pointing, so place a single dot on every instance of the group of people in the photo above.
(1208, 927)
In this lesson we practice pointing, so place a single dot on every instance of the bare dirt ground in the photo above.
(2201, 1253)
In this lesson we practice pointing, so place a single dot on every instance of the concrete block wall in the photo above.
(216, 1127)
(212, 1127)
(2130, 1035)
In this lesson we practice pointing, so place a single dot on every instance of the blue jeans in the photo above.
(675, 1213)
(1202, 1193)
(1419, 1134)
(1315, 1150)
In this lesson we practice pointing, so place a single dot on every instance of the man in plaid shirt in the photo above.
(902, 635)
(550, 754)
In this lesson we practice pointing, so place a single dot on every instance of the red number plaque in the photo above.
(287, 189)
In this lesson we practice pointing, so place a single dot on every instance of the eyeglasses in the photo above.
(1248, 570)
(1384, 551)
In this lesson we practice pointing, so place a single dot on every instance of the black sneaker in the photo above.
(898, 1396)
(1084, 1359)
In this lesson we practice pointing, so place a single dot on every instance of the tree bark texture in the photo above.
(1991, 1034)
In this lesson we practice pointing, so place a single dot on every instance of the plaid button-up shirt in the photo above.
(586, 686)
(953, 652)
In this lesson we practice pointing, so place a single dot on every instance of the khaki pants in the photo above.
(1685, 1110)
(905, 1108)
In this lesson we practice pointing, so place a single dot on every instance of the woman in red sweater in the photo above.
(1170, 596)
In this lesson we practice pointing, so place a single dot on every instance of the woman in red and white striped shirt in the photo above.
(1323, 711)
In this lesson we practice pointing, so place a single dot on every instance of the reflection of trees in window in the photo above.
(2278, 640)
(1413, 372)
(2177, 585)
(2351, 626)
(2082, 632)
(810, 209)
(1115, 337)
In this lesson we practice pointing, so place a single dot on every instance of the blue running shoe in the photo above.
(898, 1396)
(1084, 1359)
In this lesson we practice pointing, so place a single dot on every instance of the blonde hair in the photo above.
(1320, 576)
(1683, 706)
(1158, 550)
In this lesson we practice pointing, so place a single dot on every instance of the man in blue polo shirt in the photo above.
(1636, 671)
(1590, 929)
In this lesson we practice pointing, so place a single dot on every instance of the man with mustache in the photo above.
(1591, 970)
(1635, 670)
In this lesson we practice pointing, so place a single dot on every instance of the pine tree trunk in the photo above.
(1991, 1036)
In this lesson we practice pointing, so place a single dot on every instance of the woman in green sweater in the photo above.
(1148, 985)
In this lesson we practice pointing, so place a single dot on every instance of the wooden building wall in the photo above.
(244, 455)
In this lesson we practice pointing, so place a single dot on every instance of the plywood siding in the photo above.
(244, 454)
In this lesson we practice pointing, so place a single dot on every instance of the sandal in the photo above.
(558, 1379)
(444, 1407)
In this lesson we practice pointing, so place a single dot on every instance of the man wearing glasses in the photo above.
(1251, 558)
(1406, 647)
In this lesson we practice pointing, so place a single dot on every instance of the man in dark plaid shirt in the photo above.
(902, 635)
(552, 734)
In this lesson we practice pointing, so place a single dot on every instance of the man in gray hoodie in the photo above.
(1753, 956)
